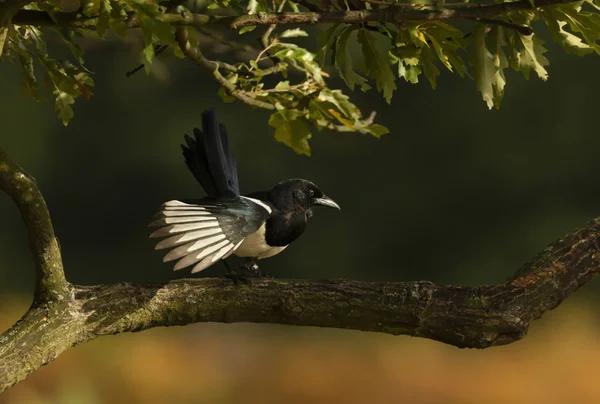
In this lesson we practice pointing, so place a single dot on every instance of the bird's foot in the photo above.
(253, 271)
(237, 278)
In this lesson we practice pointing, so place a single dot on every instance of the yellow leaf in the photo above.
(421, 37)
(341, 119)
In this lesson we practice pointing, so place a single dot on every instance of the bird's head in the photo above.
(299, 193)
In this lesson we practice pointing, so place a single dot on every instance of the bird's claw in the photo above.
(253, 271)
(237, 278)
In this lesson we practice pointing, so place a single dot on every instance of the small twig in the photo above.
(282, 90)
(264, 40)
(157, 51)
(522, 29)
(181, 36)
(265, 50)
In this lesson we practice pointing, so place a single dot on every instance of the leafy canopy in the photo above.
(388, 41)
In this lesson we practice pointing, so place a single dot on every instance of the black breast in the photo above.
(282, 229)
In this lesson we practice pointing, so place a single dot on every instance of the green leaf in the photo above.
(257, 6)
(328, 39)
(344, 62)
(90, 7)
(377, 62)
(294, 6)
(154, 29)
(247, 28)
(293, 33)
(118, 19)
(227, 98)
(63, 106)
(447, 42)
(408, 60)
(103, 18)
(429, 68)
(148, 57)
(497, 39)
(485, 70)
(530, 55)
(300, 58)
(377, 130)
(3, 36)
(335, 99)
(570, 43)
(28, 79)
(586, 23)
(68, 37)
(292, 130)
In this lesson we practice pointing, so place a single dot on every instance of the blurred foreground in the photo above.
(217, 363)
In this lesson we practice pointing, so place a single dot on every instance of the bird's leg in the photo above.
(234, 276)
(253, 271)
(251, 268)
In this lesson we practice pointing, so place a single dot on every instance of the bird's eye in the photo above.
(311, 192)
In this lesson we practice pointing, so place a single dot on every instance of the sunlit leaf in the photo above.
(498, 41)
(293, 33)
(63, 106)
(570, 42)
(530, 55)
(247, 28)
(483, 66)
(584, 22)
(292, 130)
(408, 60)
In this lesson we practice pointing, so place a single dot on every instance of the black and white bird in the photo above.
(201, 232)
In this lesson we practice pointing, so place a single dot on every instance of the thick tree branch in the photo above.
(22, 188)
(65, 315)
(389, 14)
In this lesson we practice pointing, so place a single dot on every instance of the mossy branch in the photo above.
(65, 315)
(22, 188)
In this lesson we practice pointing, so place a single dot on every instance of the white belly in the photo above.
(255, 246)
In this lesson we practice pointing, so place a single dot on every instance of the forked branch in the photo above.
(65, 315)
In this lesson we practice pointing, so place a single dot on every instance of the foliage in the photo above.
(292, 80)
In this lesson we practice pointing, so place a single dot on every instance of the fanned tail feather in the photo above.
(208, 157)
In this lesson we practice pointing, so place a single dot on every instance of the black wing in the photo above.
(206, 230)
(209, 159)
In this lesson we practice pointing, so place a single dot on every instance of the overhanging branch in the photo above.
(389, 14)
(479, 317)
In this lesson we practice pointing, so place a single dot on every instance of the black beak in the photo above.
(326, 201)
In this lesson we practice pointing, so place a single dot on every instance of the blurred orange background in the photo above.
(245, 363)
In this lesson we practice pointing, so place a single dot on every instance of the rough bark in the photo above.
(64, 315)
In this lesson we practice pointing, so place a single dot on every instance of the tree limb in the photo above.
(65, 315)
(22, 188)
(389, 14)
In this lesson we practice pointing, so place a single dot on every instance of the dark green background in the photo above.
(455, 193)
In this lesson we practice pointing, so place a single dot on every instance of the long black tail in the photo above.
(208, 157)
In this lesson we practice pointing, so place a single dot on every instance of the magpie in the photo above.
(259, 225)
